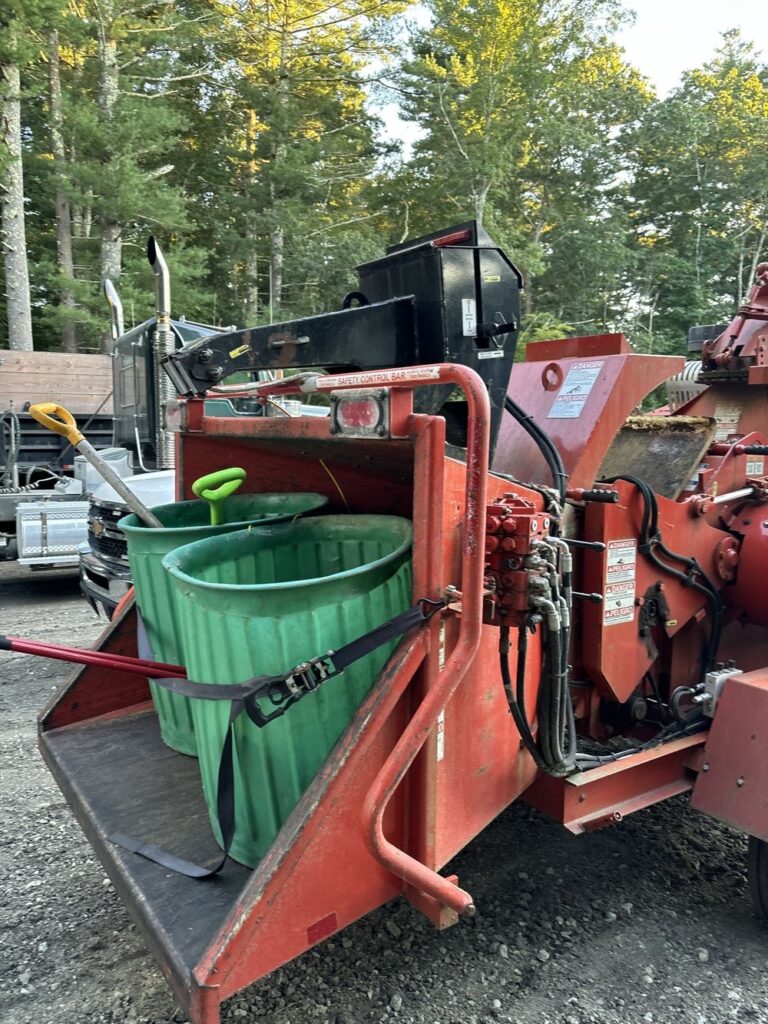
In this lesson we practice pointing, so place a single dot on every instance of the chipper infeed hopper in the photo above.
(579, 575)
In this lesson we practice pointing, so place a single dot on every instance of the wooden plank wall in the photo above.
(79, 382)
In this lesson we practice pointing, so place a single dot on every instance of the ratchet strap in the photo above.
(263, 699)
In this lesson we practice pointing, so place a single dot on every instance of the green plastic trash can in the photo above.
(259, 602)
(186, 521)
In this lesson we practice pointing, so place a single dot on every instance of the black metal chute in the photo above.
(450, 297)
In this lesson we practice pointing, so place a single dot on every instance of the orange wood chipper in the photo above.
(586, 631)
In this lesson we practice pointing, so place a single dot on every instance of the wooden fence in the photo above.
(79, 382)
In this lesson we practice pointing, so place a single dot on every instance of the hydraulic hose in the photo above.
(516, 700)
(651, 541)
(544, 443)
(673, 731)
(554, 749)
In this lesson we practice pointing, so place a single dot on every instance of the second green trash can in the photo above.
(183, 522)
(261, 601)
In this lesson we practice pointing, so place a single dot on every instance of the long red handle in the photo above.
(151, 669)
(423, 719)
(161, 666)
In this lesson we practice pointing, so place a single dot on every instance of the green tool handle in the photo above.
(216, 487)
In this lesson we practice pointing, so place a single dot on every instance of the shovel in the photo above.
(61, 421)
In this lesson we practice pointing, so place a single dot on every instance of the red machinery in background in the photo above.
(601, 645)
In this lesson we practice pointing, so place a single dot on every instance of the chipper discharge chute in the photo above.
(523, 588)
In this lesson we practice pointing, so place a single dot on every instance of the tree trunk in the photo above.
(277, 240)
(740, 274)
(12, 200)
(481, 198)
(251, 288)
(756, 256)
(111, 229)
(82, 215)
(88, 217)
(64, 257)
(277, 234)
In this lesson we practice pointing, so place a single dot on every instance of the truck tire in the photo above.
(757, 872)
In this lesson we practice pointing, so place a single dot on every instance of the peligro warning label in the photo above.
(619, 584)
(575, 390)
(727, 416)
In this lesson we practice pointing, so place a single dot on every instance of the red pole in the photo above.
(151, 669)
(470, 622)
(453, 672)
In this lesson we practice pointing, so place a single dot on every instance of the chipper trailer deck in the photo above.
(584, 626)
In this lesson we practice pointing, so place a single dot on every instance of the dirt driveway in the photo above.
(647, 922)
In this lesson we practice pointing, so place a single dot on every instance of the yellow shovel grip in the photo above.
(65, 425)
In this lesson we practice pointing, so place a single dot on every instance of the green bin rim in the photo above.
(132, 524)
(180, 553)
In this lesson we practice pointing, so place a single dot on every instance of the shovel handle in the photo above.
(219, 485)
(44, 413)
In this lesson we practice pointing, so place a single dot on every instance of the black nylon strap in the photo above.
(243, 697)
(225, 812)
(286, 689)
(397, 626)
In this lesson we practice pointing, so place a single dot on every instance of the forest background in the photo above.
(244, 135)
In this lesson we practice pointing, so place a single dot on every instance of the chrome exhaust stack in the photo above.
(164, 344)
(115, 310)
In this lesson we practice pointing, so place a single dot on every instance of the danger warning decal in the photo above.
(575, 390)
(727, 416)
(619, 586)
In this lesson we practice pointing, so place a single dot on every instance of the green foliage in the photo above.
(523, 108)
(241, 133)
(699, 199)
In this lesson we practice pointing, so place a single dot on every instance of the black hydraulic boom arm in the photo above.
(365, 337)
(449, 297)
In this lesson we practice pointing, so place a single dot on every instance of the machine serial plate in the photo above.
(469, 317)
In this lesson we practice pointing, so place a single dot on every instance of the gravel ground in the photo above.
(649, 921)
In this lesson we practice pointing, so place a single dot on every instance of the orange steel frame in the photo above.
(432, 755)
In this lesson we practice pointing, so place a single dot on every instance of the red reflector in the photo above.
(454, 239)
(359, 412)
(320, 929)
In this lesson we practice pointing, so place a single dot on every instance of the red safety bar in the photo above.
(472, 576)
(453, 672)
(456, 668)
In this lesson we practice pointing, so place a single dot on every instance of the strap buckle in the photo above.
(307, 676)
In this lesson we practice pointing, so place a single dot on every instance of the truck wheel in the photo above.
(757, 872)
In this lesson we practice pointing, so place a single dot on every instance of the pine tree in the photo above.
(700, 195)
(18, 301)
(522, 108)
